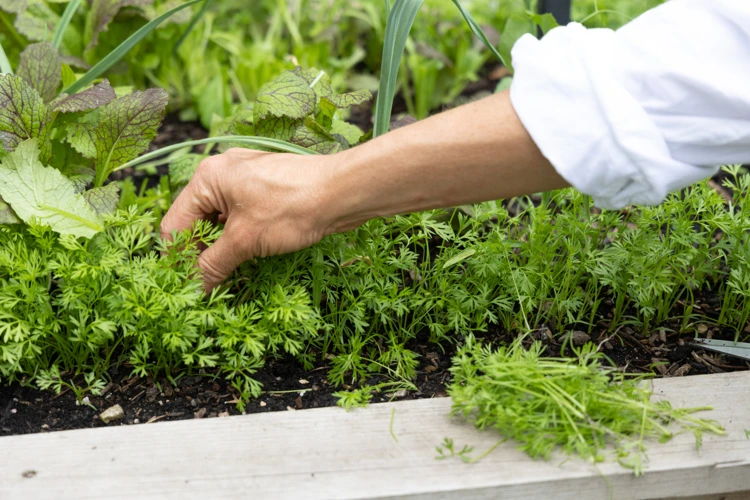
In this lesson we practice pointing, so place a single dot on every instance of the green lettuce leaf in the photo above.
(14, 6)
(350, 132)
(288, 96)
(95, 97)
(343, 101)
(325, 113)
(103, 199)
(322, 87)
(125, 128)
(41, 66)
(34, 18)
(80, 177)
(281, 128)
(181, 171)
(23, 115)
(313, 136)
(44, 195)
(83, 139)
(72, 165)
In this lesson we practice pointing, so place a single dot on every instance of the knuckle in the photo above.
(236, 151)
(211, 271)
(245, 154)
(207, 165)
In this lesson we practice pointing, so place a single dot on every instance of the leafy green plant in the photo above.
(580, 405)
(55, 145)
(296, 112)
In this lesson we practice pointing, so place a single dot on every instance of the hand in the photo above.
(268, 201)
(280, 203)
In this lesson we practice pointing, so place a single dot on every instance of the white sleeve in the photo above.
(629, 116)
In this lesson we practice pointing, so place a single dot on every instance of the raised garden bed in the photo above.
(383, 451)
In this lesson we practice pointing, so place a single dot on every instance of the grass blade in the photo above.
(5, 67)
(117, 54)
(70, 10)
(193, 23)
(282, 146)
(478, 32)
(397, 28)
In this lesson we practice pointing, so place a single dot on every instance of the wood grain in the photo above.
(329, 453)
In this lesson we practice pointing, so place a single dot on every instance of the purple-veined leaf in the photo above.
(103, 199)
(41, 66)
(289, 96)
(95, 97)
(125, 128)
(23, 115)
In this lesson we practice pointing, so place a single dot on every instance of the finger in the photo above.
(197, 201)
(219, 260)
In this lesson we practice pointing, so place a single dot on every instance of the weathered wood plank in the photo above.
(328, 453)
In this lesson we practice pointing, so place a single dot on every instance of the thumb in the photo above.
(219, 260)
(200, 199)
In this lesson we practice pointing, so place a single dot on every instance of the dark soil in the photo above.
(25, 410)
(288, 387)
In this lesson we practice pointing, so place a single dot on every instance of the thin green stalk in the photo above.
(5, 67)
(479, 33)
(276, 144)
(485, 453)
(393, 434)
(193, 22)
(68, 14)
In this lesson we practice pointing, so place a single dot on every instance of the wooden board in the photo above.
(329, 453)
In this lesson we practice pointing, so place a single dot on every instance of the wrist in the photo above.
(343, 198)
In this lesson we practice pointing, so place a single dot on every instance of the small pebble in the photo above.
(136, 421)
(223, 414)
(701, 328)
(193, 402)
(14, 410)
(579, 338)
(111, 414)
(263, 403)
(303, 381)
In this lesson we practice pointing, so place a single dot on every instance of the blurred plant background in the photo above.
(235, 46)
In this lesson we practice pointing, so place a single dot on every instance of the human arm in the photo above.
(279, 203)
